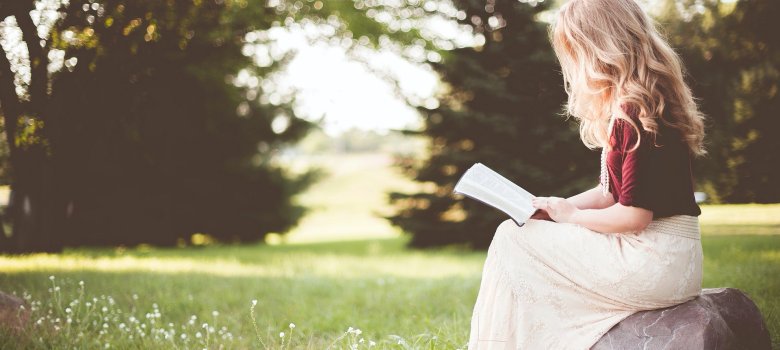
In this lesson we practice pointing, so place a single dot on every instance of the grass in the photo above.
(397, 298)
(354, 192)
(323, 288)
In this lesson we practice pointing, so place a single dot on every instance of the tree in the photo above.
(732, 52)
(501, 107)
(23, 120)
(175, 151)
(151, 129)
(138, 140)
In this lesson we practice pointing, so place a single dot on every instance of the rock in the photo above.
(12, 315)
(721, 318)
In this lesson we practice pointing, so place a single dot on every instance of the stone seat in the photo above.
(12, 316)
(721, 318)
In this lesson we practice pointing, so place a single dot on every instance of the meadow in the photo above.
(348, 288)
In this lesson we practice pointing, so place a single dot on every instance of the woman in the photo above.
(632, 242)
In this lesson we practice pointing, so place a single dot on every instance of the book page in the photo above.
(485, 185)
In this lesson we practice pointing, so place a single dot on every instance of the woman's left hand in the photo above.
(558, 208)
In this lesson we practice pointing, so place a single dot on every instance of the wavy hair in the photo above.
(612, 56)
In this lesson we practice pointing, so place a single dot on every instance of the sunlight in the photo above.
(300, 265)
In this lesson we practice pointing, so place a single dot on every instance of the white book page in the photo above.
(485, 185)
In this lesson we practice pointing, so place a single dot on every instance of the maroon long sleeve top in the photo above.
(656, 176)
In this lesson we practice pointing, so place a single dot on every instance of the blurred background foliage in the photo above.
(499, 107)
(130, 122)
(501, 99)
(732, 52)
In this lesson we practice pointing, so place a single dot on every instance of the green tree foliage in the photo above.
(168, 150)
(502, 108)
(153, 130)
(139, 140)
(732, 52)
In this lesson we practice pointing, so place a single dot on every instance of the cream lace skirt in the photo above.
(548, 285)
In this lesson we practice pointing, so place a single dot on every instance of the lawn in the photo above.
(376, 286)
(146, 297)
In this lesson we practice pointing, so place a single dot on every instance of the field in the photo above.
(325, 277)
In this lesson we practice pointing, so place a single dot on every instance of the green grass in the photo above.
(377, 286)
(741, 219)
(370, 282)
(353, 192)
(324, 288)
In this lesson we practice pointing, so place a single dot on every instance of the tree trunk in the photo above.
(11, 109)
(32, 206)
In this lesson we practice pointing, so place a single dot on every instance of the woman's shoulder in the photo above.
(626, 130)
(629, 130)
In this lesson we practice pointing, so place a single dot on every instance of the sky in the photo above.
(332, 84)
(336, 83)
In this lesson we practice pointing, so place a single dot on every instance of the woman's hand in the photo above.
(559, 209)
(615, 218)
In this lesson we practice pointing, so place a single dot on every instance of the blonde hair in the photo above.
(612, 56)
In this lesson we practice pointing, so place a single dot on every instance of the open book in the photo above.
(487, 186)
